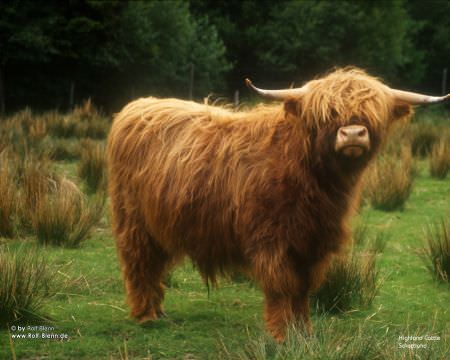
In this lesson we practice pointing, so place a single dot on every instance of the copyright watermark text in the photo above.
(416, 342)
(35, 332)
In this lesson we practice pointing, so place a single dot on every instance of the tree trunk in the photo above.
(71, 95)
(2, 92)
(444, 81)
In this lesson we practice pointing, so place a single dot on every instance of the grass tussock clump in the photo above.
(330, 342)
(72, 126)
(36, 201)
(389, 181)
(65, 217)
(353, 279)
(437, 252)
(96, 128)
(26, 126)
(61, 126)
(8, 190)
(364, 240)
(90, 122)
(84, 121)
(61, 149)
(25, 135)
(399, 138)
(35, 179)
(37, 131)
(92, 167)
(351, 282)
(25, 283)
(334, 340)
(423, 136)
(22, 183)
(439, 159)
(86, 110)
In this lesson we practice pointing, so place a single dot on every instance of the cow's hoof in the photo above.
(279, 338)
(151, 316)
(145, 320)
(148, 317)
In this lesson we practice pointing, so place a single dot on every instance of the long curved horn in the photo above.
(277, 94)
(417, 99)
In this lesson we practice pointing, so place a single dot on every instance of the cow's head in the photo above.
(346, 113)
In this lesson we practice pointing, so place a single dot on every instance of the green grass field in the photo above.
(89, 304)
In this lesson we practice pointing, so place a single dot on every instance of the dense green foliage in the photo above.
(114, 51)
(111, 50)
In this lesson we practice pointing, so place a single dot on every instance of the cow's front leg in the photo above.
(281, 311)
(300, 309)
(277, 315)
(307, 278)
(286, 292)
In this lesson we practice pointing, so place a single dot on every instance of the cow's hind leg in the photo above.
(144, 264)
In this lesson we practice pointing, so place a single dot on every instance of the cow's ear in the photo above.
(401, 111)
(292, 107)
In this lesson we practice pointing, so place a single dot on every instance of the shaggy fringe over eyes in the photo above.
(343, 94)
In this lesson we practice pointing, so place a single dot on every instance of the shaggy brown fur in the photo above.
(260, 191)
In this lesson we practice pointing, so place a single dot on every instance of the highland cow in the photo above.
(267, 191)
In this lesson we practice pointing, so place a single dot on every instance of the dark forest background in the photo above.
(54, 54)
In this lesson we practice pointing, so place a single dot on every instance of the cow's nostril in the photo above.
(362, 132)
(343, 132)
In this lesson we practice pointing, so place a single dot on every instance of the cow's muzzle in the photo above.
(352, 141)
